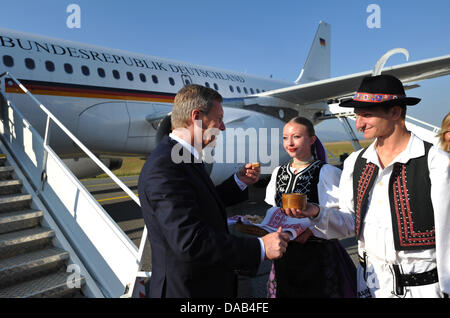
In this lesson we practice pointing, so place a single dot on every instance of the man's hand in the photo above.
(311, 210)
(249, 174)
(275, 244)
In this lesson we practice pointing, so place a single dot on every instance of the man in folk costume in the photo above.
(394, 196)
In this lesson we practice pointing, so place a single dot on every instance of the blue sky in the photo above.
(256, 36)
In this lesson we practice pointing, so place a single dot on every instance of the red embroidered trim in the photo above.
(406, 233)
(363, 185)
(374, 98)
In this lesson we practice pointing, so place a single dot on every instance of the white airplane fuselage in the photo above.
(115, 102)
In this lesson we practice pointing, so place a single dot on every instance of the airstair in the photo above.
(55, 239)
(30, 263)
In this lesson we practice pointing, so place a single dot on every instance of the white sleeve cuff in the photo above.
(263, 250)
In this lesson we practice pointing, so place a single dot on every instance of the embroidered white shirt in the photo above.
(377, 234)
(327, 189)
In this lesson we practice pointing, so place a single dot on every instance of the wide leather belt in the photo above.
(403, 280)
(417, 279)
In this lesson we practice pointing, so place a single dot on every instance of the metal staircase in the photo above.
(55, 239)
(30, 264)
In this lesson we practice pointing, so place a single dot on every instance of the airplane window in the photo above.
(68, 68)
(207, 84)
(50, 66)
(85, 70)
(251, 91)
(143, 78)
(238, 89)
(245, 90)
(263, 90)
(155, 79)
(29, 63)
(130, 76)
(231, 89)
(116, 74)
(216, 87)
(257, 90)
(8, 60)
(101, 72)
(171, 81)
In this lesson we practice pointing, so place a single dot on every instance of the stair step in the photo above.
(21, 242)
(6, 172)
(14, 202)
(19, 220)
(50, 286)
(10, 186)
(27, 266)
(2, 159)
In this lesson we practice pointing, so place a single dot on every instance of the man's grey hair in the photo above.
(189, 98)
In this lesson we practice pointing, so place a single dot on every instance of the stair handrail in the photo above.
(127, 190)
(435, 128)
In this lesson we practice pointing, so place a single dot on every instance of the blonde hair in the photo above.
(444, 127)
(189, 98)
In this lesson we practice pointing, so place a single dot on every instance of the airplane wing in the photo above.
(346, 86)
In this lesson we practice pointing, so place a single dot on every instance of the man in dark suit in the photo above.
(193, 253)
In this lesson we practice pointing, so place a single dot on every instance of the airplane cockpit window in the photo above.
(231, 89)
(216, 87)
(116, 74)
(29, 63)
(207, 84)
(155, 79)
(101, 72)
(171, 81)
(245, 90)
(68, 68)
(8, 60)
(238, 89)
(143, 78)
(130, 76)
(257, 90)
(49, 66)
(251, 91)
(85, 70)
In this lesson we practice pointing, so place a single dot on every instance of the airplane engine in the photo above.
(85, 167)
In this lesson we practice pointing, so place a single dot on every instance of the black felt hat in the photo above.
(380, 90)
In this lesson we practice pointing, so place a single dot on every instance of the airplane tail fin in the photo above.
(317, 65)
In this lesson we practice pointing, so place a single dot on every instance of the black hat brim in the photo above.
(410, 101)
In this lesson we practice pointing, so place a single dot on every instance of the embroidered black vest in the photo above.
(303, 182)
(409, 196)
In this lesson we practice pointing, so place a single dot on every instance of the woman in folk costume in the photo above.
(312, 266)
(394, 196)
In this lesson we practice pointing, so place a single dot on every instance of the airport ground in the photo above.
(127, 214)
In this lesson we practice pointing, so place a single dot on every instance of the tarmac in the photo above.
(127, 214)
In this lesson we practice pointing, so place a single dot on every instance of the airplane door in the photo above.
(186, 79)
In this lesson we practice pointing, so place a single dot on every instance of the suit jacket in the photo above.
(193, 253)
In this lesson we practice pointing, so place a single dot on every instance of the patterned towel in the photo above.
(275, 218)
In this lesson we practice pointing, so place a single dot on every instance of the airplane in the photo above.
(118, 103)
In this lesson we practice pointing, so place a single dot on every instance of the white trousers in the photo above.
(377, 281)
